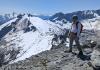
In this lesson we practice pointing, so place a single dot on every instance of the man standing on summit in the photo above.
(76, 29)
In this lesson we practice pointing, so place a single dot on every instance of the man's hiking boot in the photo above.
(68, 51)
(80, 53)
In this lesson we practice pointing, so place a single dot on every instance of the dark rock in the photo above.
(19, 16)
(5, 30)
(33, 28)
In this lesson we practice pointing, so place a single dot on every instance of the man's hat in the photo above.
(75, 17)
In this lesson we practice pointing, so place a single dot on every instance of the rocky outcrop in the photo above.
(8, 55)
(59, 40)
(55, 59)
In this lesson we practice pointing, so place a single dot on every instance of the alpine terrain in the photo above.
(30, 42)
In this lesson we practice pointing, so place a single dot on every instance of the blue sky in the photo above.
(47, 7)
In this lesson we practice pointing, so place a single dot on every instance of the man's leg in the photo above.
(70, 43)
(78, 46)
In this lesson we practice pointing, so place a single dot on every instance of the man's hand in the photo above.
(68, 34)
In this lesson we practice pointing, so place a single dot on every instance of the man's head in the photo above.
(74, 18)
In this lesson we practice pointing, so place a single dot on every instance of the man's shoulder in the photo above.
(78, 22)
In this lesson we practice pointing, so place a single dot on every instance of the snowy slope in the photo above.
(90, 23)
(7, 23)
(31, 42)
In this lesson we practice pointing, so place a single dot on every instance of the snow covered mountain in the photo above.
(86, 14)
(4, 18)
(25, 36)
(90, 24)
(44, 17)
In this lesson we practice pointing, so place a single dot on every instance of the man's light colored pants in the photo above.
(72, 38)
